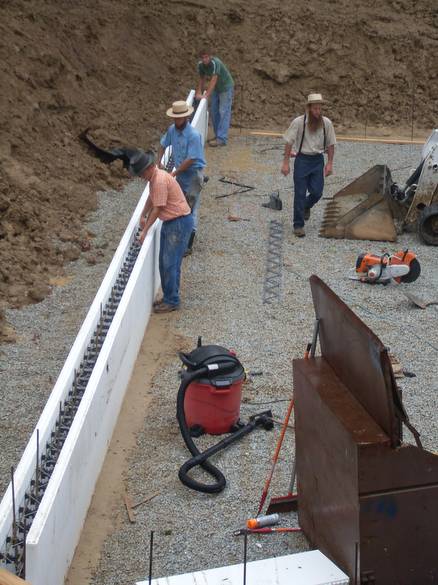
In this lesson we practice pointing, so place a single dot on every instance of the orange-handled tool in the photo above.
(266, 530)
(275, 457)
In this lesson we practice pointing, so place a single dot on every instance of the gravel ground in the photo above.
(47, 330)
(222, 301)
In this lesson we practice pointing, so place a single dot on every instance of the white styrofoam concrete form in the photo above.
(54, 534)
(308, 568)
(46, 422)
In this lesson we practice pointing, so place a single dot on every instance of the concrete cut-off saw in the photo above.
(403, 266)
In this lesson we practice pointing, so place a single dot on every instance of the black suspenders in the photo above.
(304, 130)
(302, 135)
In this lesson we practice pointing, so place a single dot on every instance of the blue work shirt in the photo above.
(185, 144)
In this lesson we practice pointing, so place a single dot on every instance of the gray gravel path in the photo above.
(222, 301)
(47, 330)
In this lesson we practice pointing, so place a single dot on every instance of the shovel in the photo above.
(419, 302)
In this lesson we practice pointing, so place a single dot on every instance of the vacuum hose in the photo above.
(224, 364)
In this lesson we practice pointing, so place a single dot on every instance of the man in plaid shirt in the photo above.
(166, 202)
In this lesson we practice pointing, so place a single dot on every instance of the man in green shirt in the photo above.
(215, 80)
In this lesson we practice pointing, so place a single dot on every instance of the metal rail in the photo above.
(274, 263)
(13, 550)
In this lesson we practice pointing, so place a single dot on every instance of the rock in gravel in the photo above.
(71, 253)
(91, 260)
(39, 292)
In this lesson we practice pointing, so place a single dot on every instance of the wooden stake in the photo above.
(345, 138)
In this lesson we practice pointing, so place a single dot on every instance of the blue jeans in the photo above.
(195, 210)
(174, 238)
(308, 184)
(220, 109)
(192, 184)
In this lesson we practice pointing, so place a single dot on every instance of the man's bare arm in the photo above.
(146, 209)
(152, 217)
(285, 167)
(200, 88)
(330, 156)
(183, 166)
(211, 86)
(161, 151)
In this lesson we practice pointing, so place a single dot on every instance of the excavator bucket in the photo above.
(362, 209)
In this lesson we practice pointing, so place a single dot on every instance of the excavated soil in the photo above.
(115, 66)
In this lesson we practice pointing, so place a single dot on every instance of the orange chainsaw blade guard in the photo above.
(402, 257)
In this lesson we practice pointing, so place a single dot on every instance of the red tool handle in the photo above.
(275, 457)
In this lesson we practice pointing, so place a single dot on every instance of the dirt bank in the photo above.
(115, 67)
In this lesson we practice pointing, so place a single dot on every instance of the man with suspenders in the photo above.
(307, 139)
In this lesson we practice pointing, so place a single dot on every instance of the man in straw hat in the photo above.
(188, 157)
(216, 81)
(307, 139)
(166, 201)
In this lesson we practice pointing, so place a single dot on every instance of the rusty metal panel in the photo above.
(399, 536)
(326, 460)
(358, 358)
(386, 469)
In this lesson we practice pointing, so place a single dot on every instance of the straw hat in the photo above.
(314, 98)
(180, 110)
(140, 161)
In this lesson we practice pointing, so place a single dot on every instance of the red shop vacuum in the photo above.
(208, 401)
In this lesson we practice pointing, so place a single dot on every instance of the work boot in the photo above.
(190, 244)
(165, 308)
(216, 142)
(299, 232)
(307, 214)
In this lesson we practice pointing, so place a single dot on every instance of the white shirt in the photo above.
(313, 142)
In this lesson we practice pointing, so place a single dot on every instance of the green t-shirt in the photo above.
(216, 67)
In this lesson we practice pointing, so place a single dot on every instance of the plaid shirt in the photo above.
(166, 194)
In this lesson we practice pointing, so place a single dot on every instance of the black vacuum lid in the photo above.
(211, 354)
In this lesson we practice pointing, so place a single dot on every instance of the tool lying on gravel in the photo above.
(419, 301)
(373, 207)
(128, 506)
(274, 263)
(242, 188)
(263, 521)
(209, 401)
(274, 201)
(402, 266)
(237, 218)
(267, 530)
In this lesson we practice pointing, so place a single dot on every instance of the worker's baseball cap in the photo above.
(140, 161)
(315, 98)
(180, 110)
